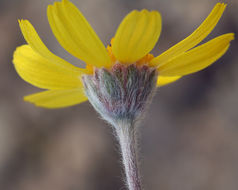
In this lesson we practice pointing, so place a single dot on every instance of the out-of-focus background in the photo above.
(189, 139)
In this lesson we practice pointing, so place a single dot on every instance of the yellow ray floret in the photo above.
(197, 58)
(136, 35)
(57, 98)
(76, 35)
(195, 38)
(41, 72)
(38, 46)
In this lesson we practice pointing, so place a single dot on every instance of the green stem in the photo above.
(126, 137)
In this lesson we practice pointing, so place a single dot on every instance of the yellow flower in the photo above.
(134, 39)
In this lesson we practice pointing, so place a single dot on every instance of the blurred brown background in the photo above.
(188, 141)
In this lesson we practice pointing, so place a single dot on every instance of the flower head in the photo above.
(135, 38)
(120, 80)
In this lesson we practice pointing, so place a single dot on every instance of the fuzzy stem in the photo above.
(126, 137)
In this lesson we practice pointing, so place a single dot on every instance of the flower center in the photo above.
(143, 61)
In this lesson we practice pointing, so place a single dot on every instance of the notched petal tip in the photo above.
(221, 4)
(66, 2)
(22, 23)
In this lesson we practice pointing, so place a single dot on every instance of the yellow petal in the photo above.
(76, 35)
(38, 46)
(195, 38)
(164, 80)
(136, 35)
(40, 72)
(197, 58)
(57, 98)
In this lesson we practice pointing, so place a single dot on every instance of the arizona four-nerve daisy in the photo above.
(119, 80)
(135, 38)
